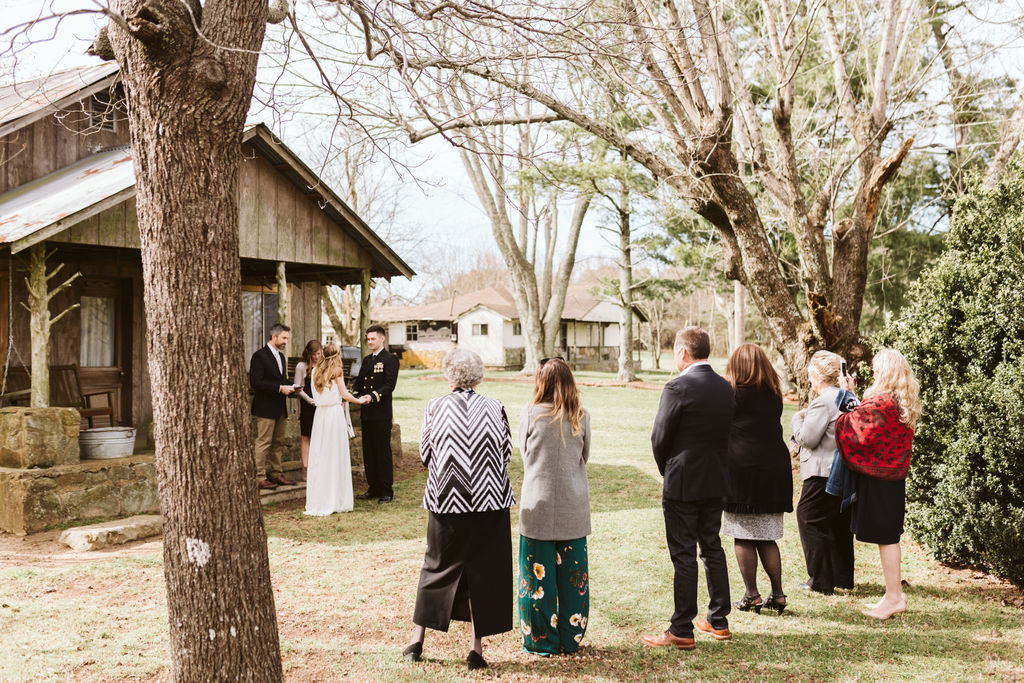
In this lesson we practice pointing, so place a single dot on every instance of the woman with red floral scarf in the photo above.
(875, 440)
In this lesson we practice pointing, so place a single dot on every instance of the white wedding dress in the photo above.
(329, 477)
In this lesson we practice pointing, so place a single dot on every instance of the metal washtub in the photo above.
(104, 443)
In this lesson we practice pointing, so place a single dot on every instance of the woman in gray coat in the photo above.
(824, 528)
(554, 517)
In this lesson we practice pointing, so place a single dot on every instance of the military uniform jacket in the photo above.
(377, 378)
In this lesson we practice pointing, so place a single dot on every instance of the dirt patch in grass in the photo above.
(44, 550)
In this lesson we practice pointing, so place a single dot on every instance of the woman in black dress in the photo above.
(307, 407)
(760, 475)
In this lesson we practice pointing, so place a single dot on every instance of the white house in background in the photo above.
(486, 321)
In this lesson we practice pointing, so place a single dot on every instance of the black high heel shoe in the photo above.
(474, 660)
(773, 603)
(749, 603)
(413, 652)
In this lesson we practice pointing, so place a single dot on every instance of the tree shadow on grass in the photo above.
(612, 488)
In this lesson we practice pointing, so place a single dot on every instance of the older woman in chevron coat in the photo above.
(467, 570)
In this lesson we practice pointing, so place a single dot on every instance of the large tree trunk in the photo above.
(187, 102)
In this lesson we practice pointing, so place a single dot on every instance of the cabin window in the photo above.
(480, 329)
(517, 329)
(259, 313)
(98, 332)
(412, 332)
(101, 112)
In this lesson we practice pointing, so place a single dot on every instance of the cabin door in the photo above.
(105, 351)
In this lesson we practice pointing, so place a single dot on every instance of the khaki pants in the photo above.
(269, 444)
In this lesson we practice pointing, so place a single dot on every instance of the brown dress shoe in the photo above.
(267, 484)
(668, 638)
(716, 633)
(278, 479)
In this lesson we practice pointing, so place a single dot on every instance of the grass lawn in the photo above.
(345, 588)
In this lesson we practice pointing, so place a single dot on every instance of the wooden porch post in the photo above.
(364, 311)
(283, 312)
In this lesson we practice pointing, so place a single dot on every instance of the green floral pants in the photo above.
(554, 595)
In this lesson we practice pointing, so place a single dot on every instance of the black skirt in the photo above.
(468, 559)
(306, 411)
(878, 513)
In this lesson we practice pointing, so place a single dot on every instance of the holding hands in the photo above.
(363, 400)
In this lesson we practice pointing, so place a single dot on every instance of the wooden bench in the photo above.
(65, 392)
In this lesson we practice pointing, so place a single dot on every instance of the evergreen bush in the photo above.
(963, 334)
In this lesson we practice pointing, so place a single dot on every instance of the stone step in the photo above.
(117, 532)
(283, 493)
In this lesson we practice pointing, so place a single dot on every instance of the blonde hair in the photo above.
(826, 366)
(556, 385)
(329, 368)
(894, 376)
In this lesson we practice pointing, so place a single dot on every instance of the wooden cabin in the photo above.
(66, 179)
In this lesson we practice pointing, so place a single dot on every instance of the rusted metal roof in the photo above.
(58, 200)
(27, 101)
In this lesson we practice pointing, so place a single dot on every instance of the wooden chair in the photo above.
(65, 392)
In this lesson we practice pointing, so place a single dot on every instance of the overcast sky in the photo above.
(444, 208)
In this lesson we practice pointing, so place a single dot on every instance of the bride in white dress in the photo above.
(329, 483)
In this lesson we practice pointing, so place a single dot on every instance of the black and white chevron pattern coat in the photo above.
(466, 444)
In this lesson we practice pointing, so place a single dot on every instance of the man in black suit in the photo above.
(690, 441)
(378, 375)
(268, 372)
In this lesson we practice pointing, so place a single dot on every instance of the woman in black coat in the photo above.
(760, 475)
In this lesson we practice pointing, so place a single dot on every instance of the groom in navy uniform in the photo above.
(377, 378)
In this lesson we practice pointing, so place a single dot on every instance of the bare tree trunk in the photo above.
(364, 312)
(626, 372)
(187, 102)
(739, 313)
(558, 282)
(39, 296)
(283, 309)
(1009, 138)
(331, 310)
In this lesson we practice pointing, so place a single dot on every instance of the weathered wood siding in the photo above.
(277, 222)
(53, 143)
(305, 314)
(280, 222)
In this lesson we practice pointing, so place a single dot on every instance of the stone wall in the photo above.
(38, 437)
(33, 499)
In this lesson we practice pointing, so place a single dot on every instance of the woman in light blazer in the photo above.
(554, 518)
(466, 445)
(824, 527)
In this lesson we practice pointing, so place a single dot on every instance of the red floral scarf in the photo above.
(873, 441)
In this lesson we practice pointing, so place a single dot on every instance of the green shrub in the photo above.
(963, 333)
